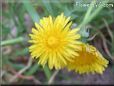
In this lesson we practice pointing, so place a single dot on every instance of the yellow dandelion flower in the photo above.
(54, 42)
(89, 61)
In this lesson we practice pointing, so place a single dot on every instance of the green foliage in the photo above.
(33, 69)
(14, 17)
(32, 12)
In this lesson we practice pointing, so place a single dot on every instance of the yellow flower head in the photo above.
(89, 61)
(54, 42)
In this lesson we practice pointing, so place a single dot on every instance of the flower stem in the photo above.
(11, 41)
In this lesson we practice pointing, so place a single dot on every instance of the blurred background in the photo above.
(17, 19)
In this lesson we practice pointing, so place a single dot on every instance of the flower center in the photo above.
(52, 41)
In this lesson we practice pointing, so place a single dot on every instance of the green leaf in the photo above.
(47, 72)
(5, 30)
(22, 52)
(48, 6)
(89, 10)
(89, 16)
(32, 70)
(16, 66)
(31, 10)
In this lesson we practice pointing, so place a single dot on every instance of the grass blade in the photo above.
(47, 5)
(47, 72)
(32, 12)
(32, 70)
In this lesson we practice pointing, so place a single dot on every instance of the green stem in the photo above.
(12, 41)
(89, 16)
(47, 72)
(89, 10)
